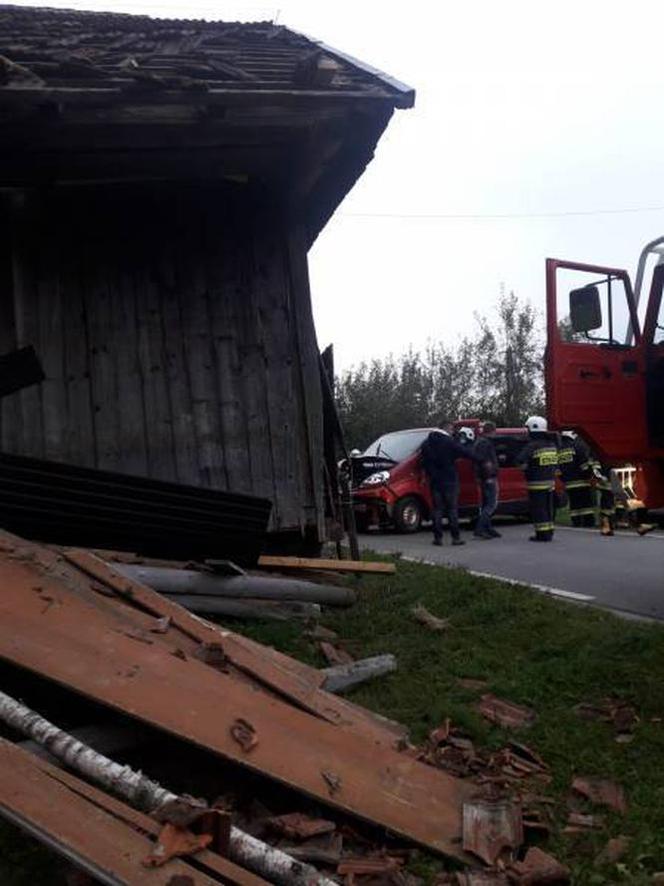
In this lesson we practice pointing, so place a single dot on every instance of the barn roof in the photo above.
(54, 49)
(99, 97)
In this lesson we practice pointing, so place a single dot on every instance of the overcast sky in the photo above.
(537, 132)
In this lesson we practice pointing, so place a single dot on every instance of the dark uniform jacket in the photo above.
(539, 459)
(575, 461)
(439, 453)
(486, 466)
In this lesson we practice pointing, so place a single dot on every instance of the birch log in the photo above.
(149, 796)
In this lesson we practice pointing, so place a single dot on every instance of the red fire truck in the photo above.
(604, 362)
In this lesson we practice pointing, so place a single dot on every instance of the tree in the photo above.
(496, 374)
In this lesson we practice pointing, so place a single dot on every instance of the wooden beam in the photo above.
(92, 96)
(268, 562)
(103, 835)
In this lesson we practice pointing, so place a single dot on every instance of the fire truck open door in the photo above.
(595, 365)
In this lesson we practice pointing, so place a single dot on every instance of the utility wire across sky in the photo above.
(498, 215)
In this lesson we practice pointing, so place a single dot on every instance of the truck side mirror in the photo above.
(585, 311)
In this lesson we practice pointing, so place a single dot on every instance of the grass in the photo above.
(532, 650)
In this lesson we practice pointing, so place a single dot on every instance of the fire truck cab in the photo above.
(604, 364)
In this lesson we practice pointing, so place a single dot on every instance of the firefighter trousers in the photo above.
(541, 512)
(581, 510)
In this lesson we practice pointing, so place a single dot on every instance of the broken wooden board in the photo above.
(187, 698)
(283, 675)
(94, 830)
(267, 562)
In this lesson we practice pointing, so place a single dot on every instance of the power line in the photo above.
(501, 215)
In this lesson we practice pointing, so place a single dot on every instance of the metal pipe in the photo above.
(188, 581)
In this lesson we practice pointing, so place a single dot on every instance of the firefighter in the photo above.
(575, 463)
(539, 459)
(607, 499)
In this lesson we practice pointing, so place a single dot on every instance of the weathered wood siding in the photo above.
(176, 334)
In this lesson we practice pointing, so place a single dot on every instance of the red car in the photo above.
(390, 488)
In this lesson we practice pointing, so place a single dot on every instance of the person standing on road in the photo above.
(539, 459)
(486, 470)
(575, 462)
(439, 453)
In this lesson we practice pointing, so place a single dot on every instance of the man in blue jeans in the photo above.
(439, 454)
(486, 469)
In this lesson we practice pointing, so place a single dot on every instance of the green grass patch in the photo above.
(532, 650)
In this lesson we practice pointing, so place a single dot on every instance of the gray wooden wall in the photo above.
(176, 334)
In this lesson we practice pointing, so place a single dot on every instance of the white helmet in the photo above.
(571, 434)
(468, 433)
(537, 424)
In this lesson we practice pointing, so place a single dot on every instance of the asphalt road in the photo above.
(625, 572)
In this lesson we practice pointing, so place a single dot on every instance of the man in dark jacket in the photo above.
(439, 454)
(539, 459)
(486, 470)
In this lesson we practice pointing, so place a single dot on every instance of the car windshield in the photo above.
(398, 445)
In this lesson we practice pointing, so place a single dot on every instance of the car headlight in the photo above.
(376, 479)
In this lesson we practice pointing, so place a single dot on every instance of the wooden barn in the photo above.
(160, 185)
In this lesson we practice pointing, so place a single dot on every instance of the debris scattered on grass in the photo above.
(448, 748)
(620, 714)
(472, 685)
(428, 619)
(472, 878)
(319, 632)
(334, 655)
(297, 826)
(602, 792)
(580, 822)
(492, 829)
(505, 713)
(614, 850)
(368, 866)
(538, 868)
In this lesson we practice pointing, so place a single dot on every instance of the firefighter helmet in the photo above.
(467, 434)
(536, 424)
(571, 434)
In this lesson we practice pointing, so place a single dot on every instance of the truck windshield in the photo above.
(398, 445)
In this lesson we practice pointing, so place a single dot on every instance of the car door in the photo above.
(595, 363)
(512, 484)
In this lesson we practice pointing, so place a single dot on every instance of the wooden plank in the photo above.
(10, 407)
(187, 698)
(269, 562)
(97, 258)
(50, 348)
(253, 367)
(308, 357)
(91, 828)
(175, 364)
(290, 679)
(28, 241)
(222, 246)
(278, 337)
(215, 863)
(79, 445)
(132, 417)
(159, 418)
(198, 348)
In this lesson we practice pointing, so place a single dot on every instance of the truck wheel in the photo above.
(408, 514)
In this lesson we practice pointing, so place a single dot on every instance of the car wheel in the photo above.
(408, 514)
